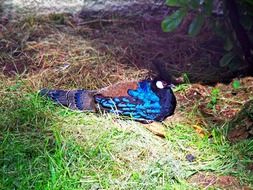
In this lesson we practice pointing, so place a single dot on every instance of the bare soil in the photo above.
(207, 180)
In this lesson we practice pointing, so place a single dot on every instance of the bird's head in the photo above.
(167, 98)
(162, 75)
(159, 84)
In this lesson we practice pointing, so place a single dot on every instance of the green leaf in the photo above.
(176, 3)
(249, 1)
(219, 29)
(194, 4)
(196, 25)
(172, 3)
(235, 64)
(186, 78)
(236, 84)
(246, 22)
(171, 22)
(228, 44)
(208, 7)
(226, 59)
(215, 92)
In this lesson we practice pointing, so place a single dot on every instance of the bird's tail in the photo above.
(74, 99)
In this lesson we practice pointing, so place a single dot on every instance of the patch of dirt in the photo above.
(250, 167)
(137, 41)
(228, 103)
(206, 180)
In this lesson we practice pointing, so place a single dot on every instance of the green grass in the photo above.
(214, 154)
(36, 155)
(48, 147)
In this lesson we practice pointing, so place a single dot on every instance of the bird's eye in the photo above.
(160, 84)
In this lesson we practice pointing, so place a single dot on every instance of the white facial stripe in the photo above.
(159, 84)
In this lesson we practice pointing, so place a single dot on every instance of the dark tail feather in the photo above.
(74, 99)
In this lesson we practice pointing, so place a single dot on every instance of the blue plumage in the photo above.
(79, 100)
(146, 100)
(141, 103)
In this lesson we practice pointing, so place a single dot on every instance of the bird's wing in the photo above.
(138, 100)
(118, 89)
(130, 106)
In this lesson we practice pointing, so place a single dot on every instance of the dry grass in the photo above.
(49, 55)
(60, 50)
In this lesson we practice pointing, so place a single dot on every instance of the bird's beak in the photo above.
(171, 86)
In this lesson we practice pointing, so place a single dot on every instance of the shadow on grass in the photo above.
(34, 152)
(33, 155)
(27, 144)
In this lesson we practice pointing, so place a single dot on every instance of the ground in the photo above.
(44, 146)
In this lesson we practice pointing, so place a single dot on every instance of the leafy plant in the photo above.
(236, 84)
(232, 22)
(186, 78)
(213, 98)
(172, 22)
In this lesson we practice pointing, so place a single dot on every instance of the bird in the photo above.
(145, 100)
